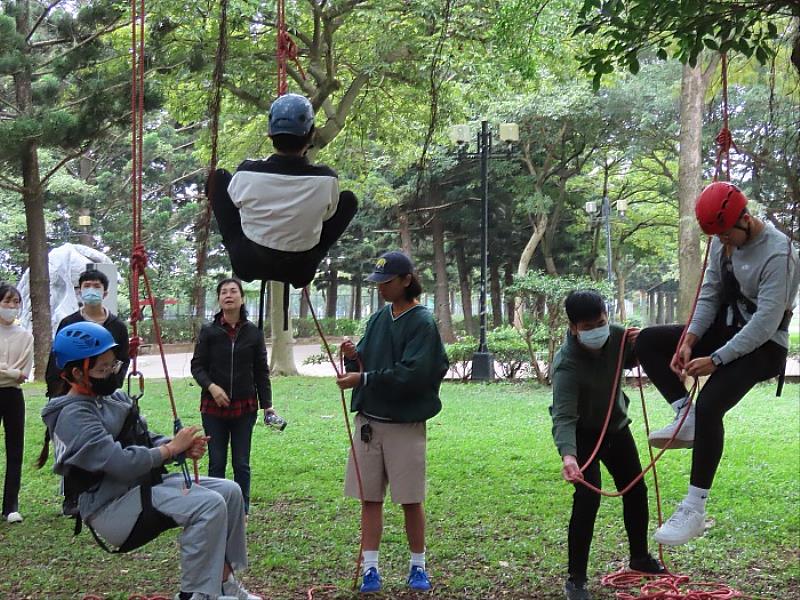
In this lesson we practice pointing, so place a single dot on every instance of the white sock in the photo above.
(418, 560)
(370, 559)
(696, 498)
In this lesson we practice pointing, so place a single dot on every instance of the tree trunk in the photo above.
(281, 361)
(621, 295)
(405, 233)
(539, 229)
(508, 279)
(495, 292)
(670, 308)
(33, 199)
(465, 283)
(660, 308)
(333, 293)
(441, 289)
(694, 83)
(651, 308)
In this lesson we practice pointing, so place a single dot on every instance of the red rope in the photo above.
(138, 251)
(340, 371)
(286, 50)
(724, 137)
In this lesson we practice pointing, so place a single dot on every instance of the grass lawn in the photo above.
(497, 507)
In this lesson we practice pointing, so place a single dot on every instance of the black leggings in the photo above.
(250, 261)
(619, 455)
(12, 415)
(727, 385)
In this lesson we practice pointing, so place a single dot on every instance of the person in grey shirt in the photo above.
(738, 335)
(104, 448)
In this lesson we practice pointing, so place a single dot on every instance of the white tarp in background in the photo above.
(66, 263)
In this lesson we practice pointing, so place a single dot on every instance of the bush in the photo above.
(331, 327)
(459, 354)
(510, 350)
(173, 331)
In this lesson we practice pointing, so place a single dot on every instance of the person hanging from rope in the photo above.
(106, 453)
(403, 362)
(584, 379)
(93, 288)
(279, 217)
(738, 335)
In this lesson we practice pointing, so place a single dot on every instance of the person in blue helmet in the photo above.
(279, 216)
(106, 453)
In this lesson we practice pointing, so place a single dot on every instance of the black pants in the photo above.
(12, 415)
(619, 455)
(251, 261)
(240, 433)
(723, 390)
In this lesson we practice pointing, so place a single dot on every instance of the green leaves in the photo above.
(626, 30)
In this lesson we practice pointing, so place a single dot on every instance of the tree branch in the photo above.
(41, 18)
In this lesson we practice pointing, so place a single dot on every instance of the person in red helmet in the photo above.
(738, 335)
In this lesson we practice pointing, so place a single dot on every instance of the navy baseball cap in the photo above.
(389, 266)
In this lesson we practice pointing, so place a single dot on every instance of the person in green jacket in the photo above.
(583, 378)
(397, 391)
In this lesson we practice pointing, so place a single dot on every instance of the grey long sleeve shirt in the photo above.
(766, 269)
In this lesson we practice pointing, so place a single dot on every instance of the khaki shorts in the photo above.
(395, 456)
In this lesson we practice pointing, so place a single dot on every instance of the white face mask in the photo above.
(9, 314)
(91, 296)
(594, 338)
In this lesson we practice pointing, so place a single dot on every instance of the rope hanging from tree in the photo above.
(214, 109)
(724, 137)
(138, 251)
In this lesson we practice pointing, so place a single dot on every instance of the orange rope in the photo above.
(339, 372)
(138, 252)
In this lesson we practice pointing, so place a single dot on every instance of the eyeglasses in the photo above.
(105, 371)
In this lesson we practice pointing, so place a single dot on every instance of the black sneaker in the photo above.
(576, 591)
(647, 564)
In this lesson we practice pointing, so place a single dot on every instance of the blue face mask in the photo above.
(91, 296)
(594, 338)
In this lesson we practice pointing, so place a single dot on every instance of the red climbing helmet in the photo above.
(719, 207)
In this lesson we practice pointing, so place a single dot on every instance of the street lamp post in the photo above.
(605, 216)
(482, 359)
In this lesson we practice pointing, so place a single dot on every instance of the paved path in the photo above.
(179, 364)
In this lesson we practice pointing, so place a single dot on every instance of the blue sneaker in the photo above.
(371, 582)
(418, 579)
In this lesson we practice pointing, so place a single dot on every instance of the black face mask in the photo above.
(104, 387)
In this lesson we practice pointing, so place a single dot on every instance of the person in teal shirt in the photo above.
(583, 382)
(395, 373)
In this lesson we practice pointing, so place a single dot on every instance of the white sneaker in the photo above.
(232, 587)
(14, 517)
(684, 525)
(684, 437)
(195, 596)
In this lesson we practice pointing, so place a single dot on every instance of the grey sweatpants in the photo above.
(212, 517)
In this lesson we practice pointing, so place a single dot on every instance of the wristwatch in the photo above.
(715, 358)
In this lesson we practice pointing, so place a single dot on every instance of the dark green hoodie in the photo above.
(582, 383)
(404, 361)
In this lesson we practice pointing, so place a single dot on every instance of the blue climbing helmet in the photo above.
(81, 340)
(292, 114)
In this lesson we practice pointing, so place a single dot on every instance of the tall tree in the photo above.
(66, 87)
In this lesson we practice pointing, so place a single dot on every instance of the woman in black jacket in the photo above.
(230, 365)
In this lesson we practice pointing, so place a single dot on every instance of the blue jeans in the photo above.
(240, 432)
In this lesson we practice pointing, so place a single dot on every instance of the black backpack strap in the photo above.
(261, 302)
(285, 306)
(732, 292)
